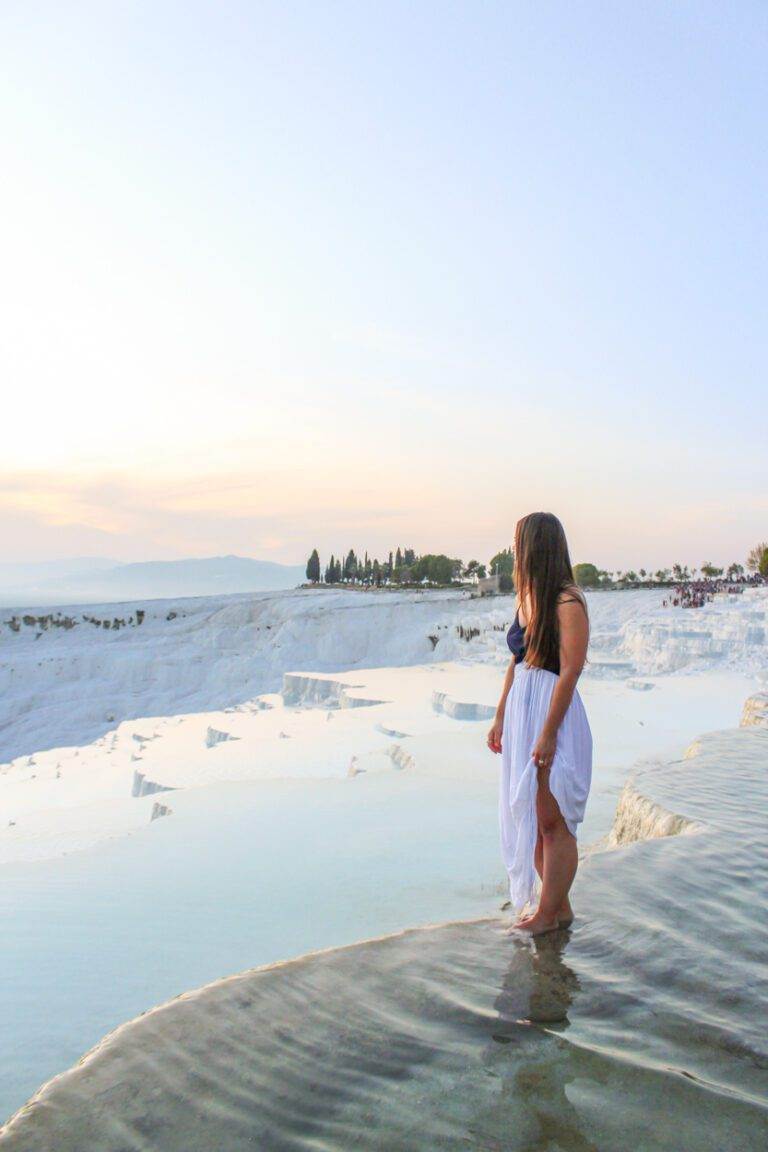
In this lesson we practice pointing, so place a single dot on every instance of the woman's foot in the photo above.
(537, 924)
(564, 915)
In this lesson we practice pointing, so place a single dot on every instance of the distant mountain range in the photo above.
(94, 579)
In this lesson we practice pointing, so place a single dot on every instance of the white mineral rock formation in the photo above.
(461, 710)
(143, 787)
(640, 818)
(755, 711)
(215, 736)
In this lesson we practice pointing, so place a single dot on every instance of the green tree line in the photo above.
(590, 576)
(404, 566)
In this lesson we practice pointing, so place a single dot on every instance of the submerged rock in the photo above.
(639, 685)
(401, 757)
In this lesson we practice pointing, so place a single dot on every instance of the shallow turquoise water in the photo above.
(644, 1027)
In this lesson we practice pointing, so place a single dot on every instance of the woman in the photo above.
(541, 728)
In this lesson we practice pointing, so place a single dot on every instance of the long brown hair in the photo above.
(542, 573)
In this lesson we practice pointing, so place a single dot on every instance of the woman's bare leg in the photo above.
(557, 853)
(566, 911)
(538, 856)
(538, 863)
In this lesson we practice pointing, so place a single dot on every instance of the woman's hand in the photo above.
(544, 749)
(494, 734)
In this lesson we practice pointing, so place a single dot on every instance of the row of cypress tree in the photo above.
(404, 566)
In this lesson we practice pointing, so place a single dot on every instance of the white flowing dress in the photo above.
(569, 777)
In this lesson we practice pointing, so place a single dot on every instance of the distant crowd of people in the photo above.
(697, 593)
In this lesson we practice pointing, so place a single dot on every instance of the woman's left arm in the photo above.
(574, 637)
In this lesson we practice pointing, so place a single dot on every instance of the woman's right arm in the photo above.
(494, 735)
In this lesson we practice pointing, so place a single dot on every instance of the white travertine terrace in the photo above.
(755, 711)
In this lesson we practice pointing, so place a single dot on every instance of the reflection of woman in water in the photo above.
(541, 728)
(538, 988)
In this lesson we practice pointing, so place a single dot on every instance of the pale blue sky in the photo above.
(286, 275)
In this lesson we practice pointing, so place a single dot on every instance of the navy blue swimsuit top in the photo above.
(516, 642)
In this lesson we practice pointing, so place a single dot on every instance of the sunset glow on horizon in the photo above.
(277, 279)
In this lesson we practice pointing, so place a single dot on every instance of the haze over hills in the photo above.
(94, 579)
(17, 573)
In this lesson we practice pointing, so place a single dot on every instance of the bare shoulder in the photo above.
(572, 603)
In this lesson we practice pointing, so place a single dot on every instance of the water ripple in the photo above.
(642, 1026)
